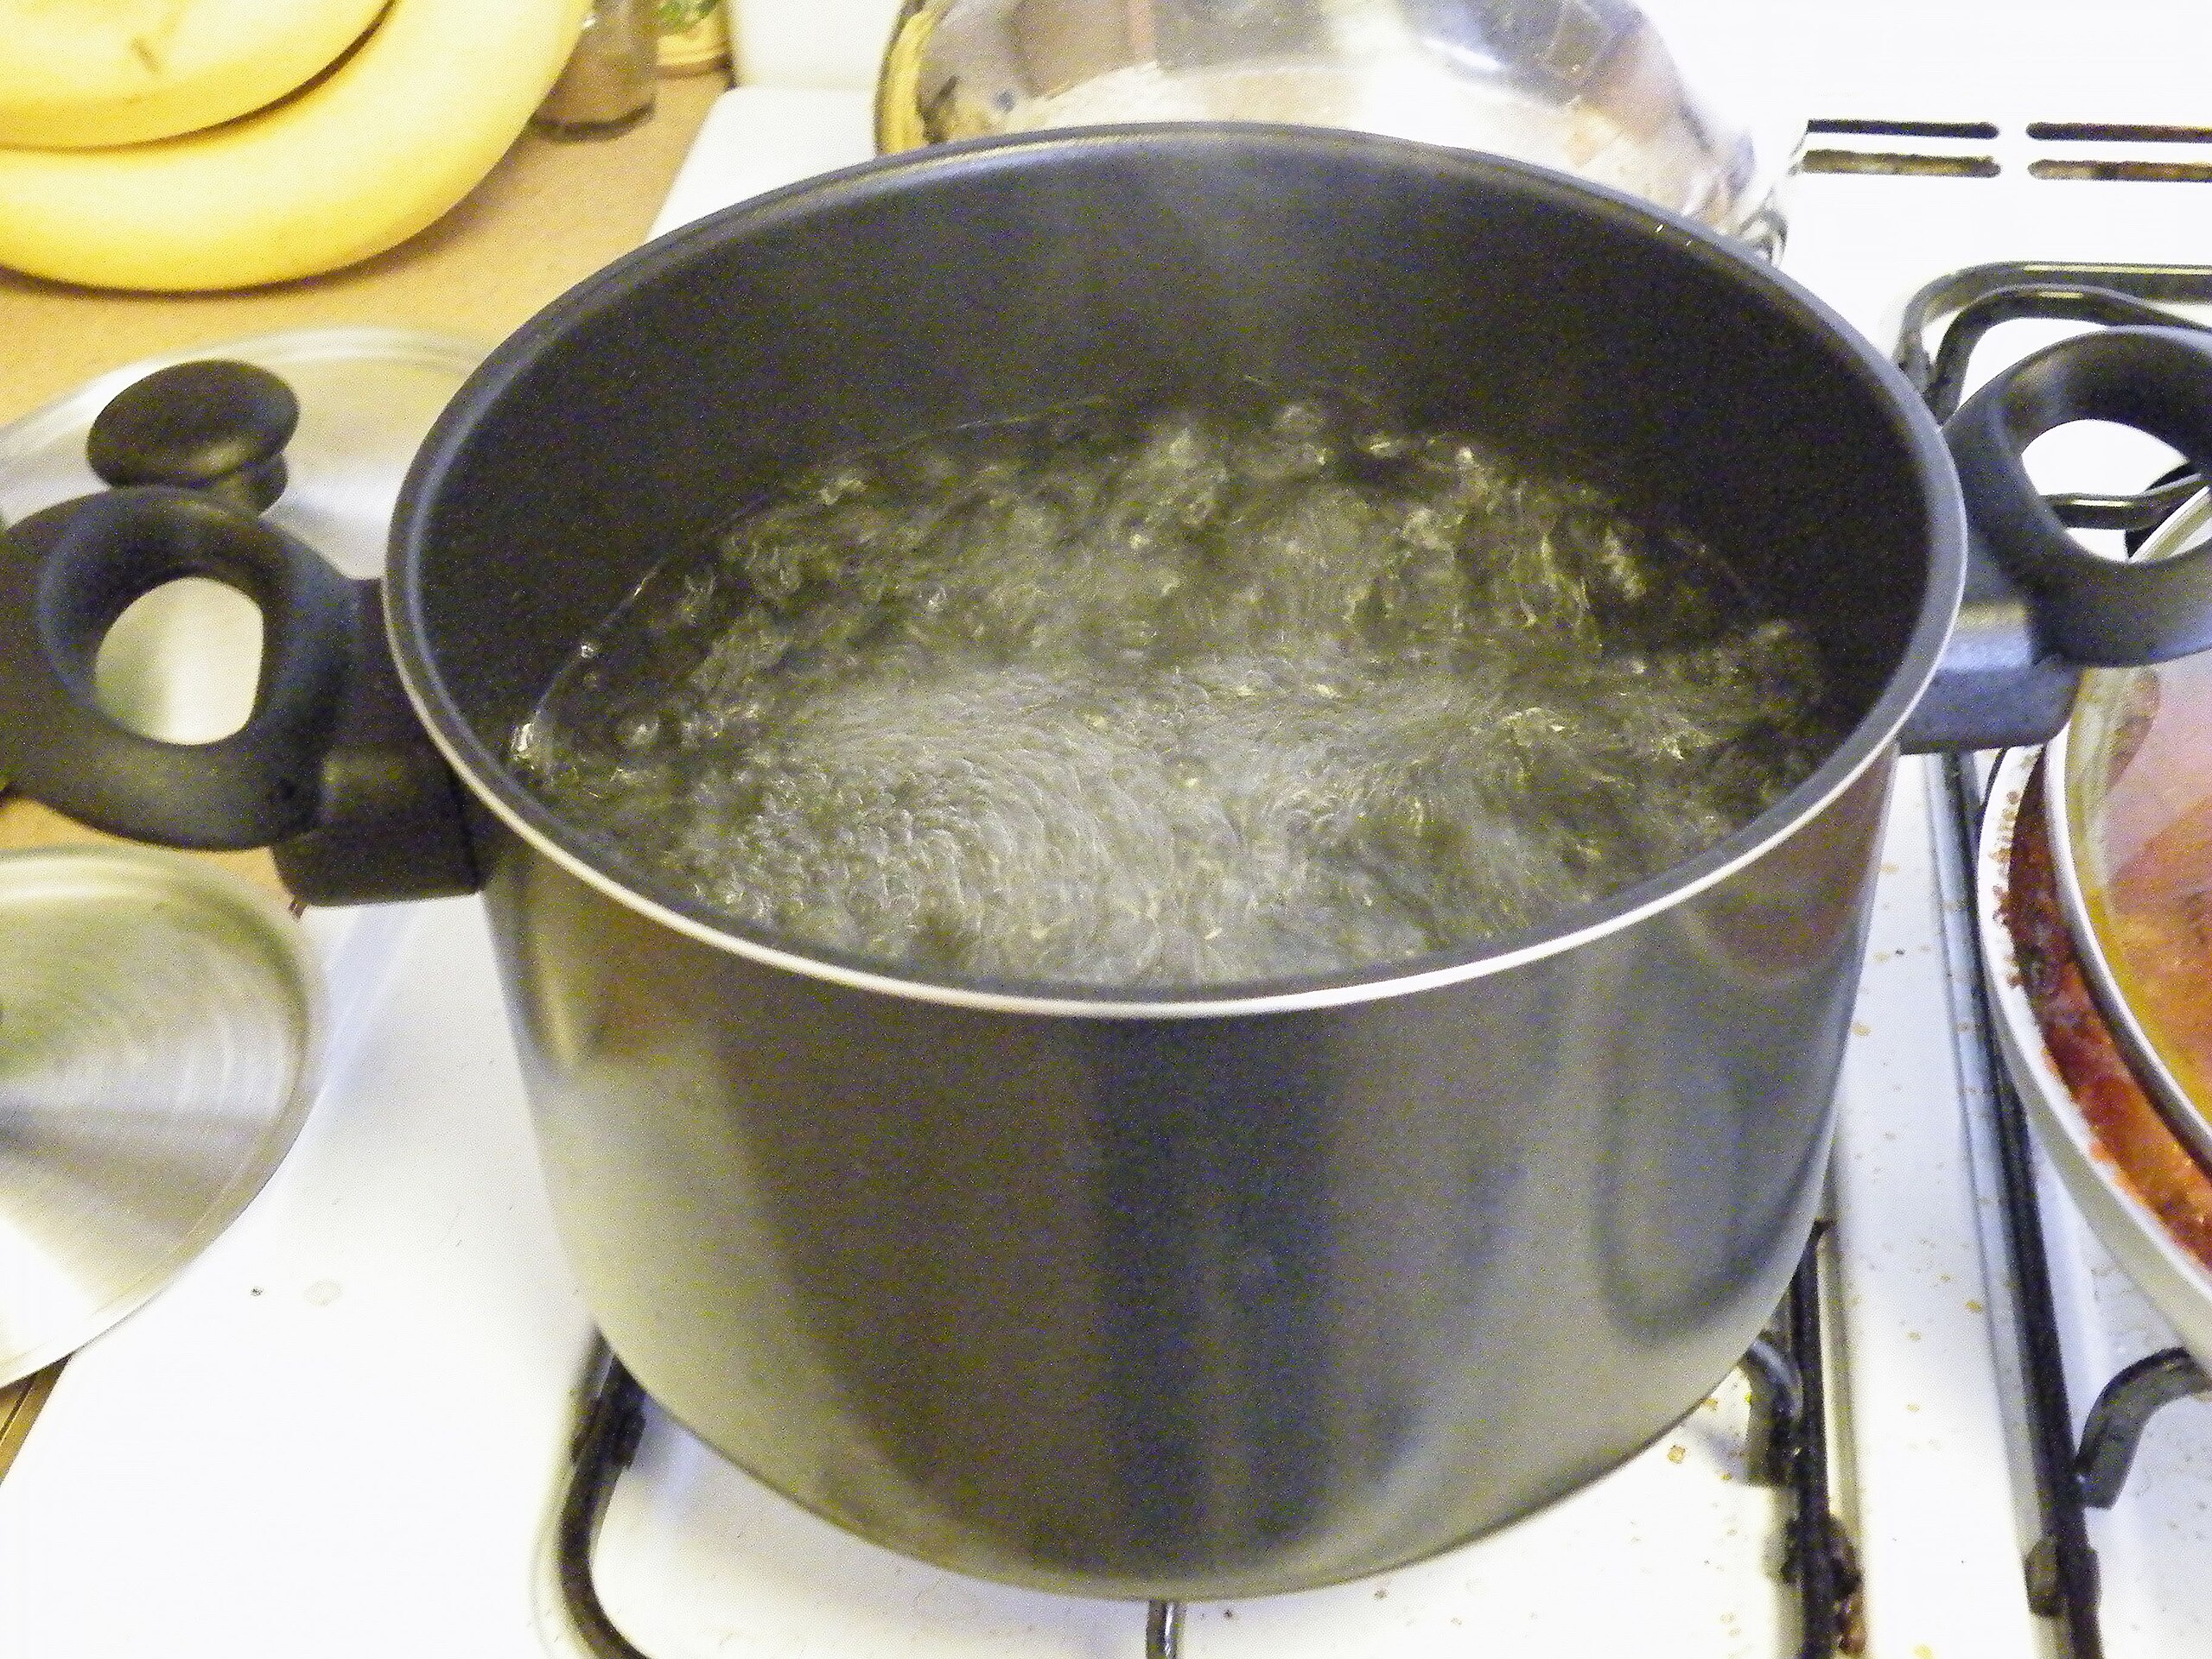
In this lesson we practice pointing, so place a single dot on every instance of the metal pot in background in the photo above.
(1157, 1293)
(2129, 1168)
(1588, 87)
(2094, 880)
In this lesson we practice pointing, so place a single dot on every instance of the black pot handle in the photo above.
(67, 575)
(331, 769)
(2039, 607)
(2096, 611)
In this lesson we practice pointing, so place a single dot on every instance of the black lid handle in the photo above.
(215, 425)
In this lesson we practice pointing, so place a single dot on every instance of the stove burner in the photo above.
(2061, 1569)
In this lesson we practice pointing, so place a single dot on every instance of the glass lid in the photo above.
(2135, 828)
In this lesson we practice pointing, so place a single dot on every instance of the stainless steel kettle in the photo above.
(1585, 86)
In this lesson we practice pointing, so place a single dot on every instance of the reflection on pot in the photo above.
(1728, 1153)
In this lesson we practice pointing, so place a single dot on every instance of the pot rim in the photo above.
(490, 778)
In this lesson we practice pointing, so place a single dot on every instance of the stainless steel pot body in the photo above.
(1185, 1294)
(1202, 1307)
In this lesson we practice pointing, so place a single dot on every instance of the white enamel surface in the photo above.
(827, 44)
(1924, 1432)
(1666, 1526)
(763, 138)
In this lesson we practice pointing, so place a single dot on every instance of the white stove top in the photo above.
(343, 1431)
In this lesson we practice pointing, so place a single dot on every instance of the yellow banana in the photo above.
(78, 72)
(362, 159)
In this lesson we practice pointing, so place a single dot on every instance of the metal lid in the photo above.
(1588, 87)
(2132, 824)
(159, 1026)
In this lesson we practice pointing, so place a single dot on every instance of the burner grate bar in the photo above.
(1163, 1630)
(1818, 1556)
(1787, 1447)
(2114, 286)
(2123, 1411)
(613, 1425)
(2060, 1570)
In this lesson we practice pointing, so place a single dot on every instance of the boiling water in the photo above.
(1162, 697)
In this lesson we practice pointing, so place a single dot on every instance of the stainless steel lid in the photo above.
(2131, 824)
(159, 1028)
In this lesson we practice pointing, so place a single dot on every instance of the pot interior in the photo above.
(1577, 331)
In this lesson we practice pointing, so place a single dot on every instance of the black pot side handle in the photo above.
(331, 768)
(2039, 607)
(391, 818)
(67, 575)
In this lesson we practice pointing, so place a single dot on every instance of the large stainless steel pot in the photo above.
(1150, 1293)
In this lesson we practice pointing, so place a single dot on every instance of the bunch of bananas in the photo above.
(193, 145)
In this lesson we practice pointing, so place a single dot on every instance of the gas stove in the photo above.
(347, 1429)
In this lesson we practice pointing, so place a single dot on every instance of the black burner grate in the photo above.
(1787, 1447)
